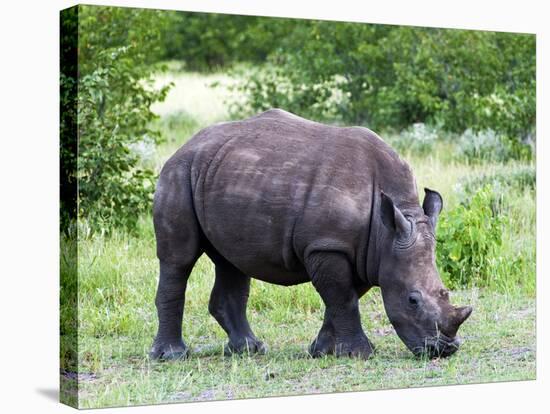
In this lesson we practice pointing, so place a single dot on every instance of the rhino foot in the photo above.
(164, 351)
(355, 348)
(361, 350)
(245, 346)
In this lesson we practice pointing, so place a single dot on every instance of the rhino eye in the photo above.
(415, 298)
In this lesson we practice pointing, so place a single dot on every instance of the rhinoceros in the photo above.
(286, 200)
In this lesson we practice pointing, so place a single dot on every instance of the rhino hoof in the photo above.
(246, 346)
(362, 349)
(361, 352)
(169, 352)
(321, 347)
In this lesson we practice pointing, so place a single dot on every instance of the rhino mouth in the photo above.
(440, 346)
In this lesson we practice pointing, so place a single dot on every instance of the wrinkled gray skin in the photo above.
(288, 201)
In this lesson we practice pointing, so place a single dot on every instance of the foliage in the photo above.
(115, 93)
(273, 87)
(482, 146)
(208, 41)
(481, 84)
(103, 28)
(489, 146)
(468, 236)
(392, 77)
(474, 245)
(68, 116)
(503, 183)
(418, 138)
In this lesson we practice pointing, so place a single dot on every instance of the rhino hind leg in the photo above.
(341, 333)
(179, 246)
(227, 305)
(170, 300)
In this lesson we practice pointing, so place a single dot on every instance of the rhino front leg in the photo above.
(341, 333)
(228, 302)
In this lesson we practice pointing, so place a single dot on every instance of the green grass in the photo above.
(195, 93)
(117, 321)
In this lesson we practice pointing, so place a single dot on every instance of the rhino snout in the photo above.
(438, 347)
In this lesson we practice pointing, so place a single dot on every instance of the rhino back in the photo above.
(269, 189)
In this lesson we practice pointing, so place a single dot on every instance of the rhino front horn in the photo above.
(462, 314)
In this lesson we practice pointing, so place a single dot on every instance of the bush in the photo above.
(479, 241)
(502, 183)
(269, 87)
(116, 47)
(419, 139)
(209, 41)
(68, 117)
(391, 77)
(469, 238)
(489, 146)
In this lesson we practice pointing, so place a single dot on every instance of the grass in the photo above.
(117, 325)
(117, 277)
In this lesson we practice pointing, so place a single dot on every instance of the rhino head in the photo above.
(415, 299)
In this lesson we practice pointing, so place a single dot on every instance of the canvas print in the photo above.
(256, 206)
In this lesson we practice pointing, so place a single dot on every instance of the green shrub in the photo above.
(469, 237)
(392, 77)
(502, 183)
(487, 145)
(209, 41)
(265, 87)
(418, 138)
(116, 47)
(68, 117)
(479, 240)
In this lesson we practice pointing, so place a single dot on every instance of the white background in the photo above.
(29, 203)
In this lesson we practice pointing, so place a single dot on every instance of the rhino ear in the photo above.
(393, 218)
(432, 205)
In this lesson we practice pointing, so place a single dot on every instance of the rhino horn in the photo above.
(461, 314)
